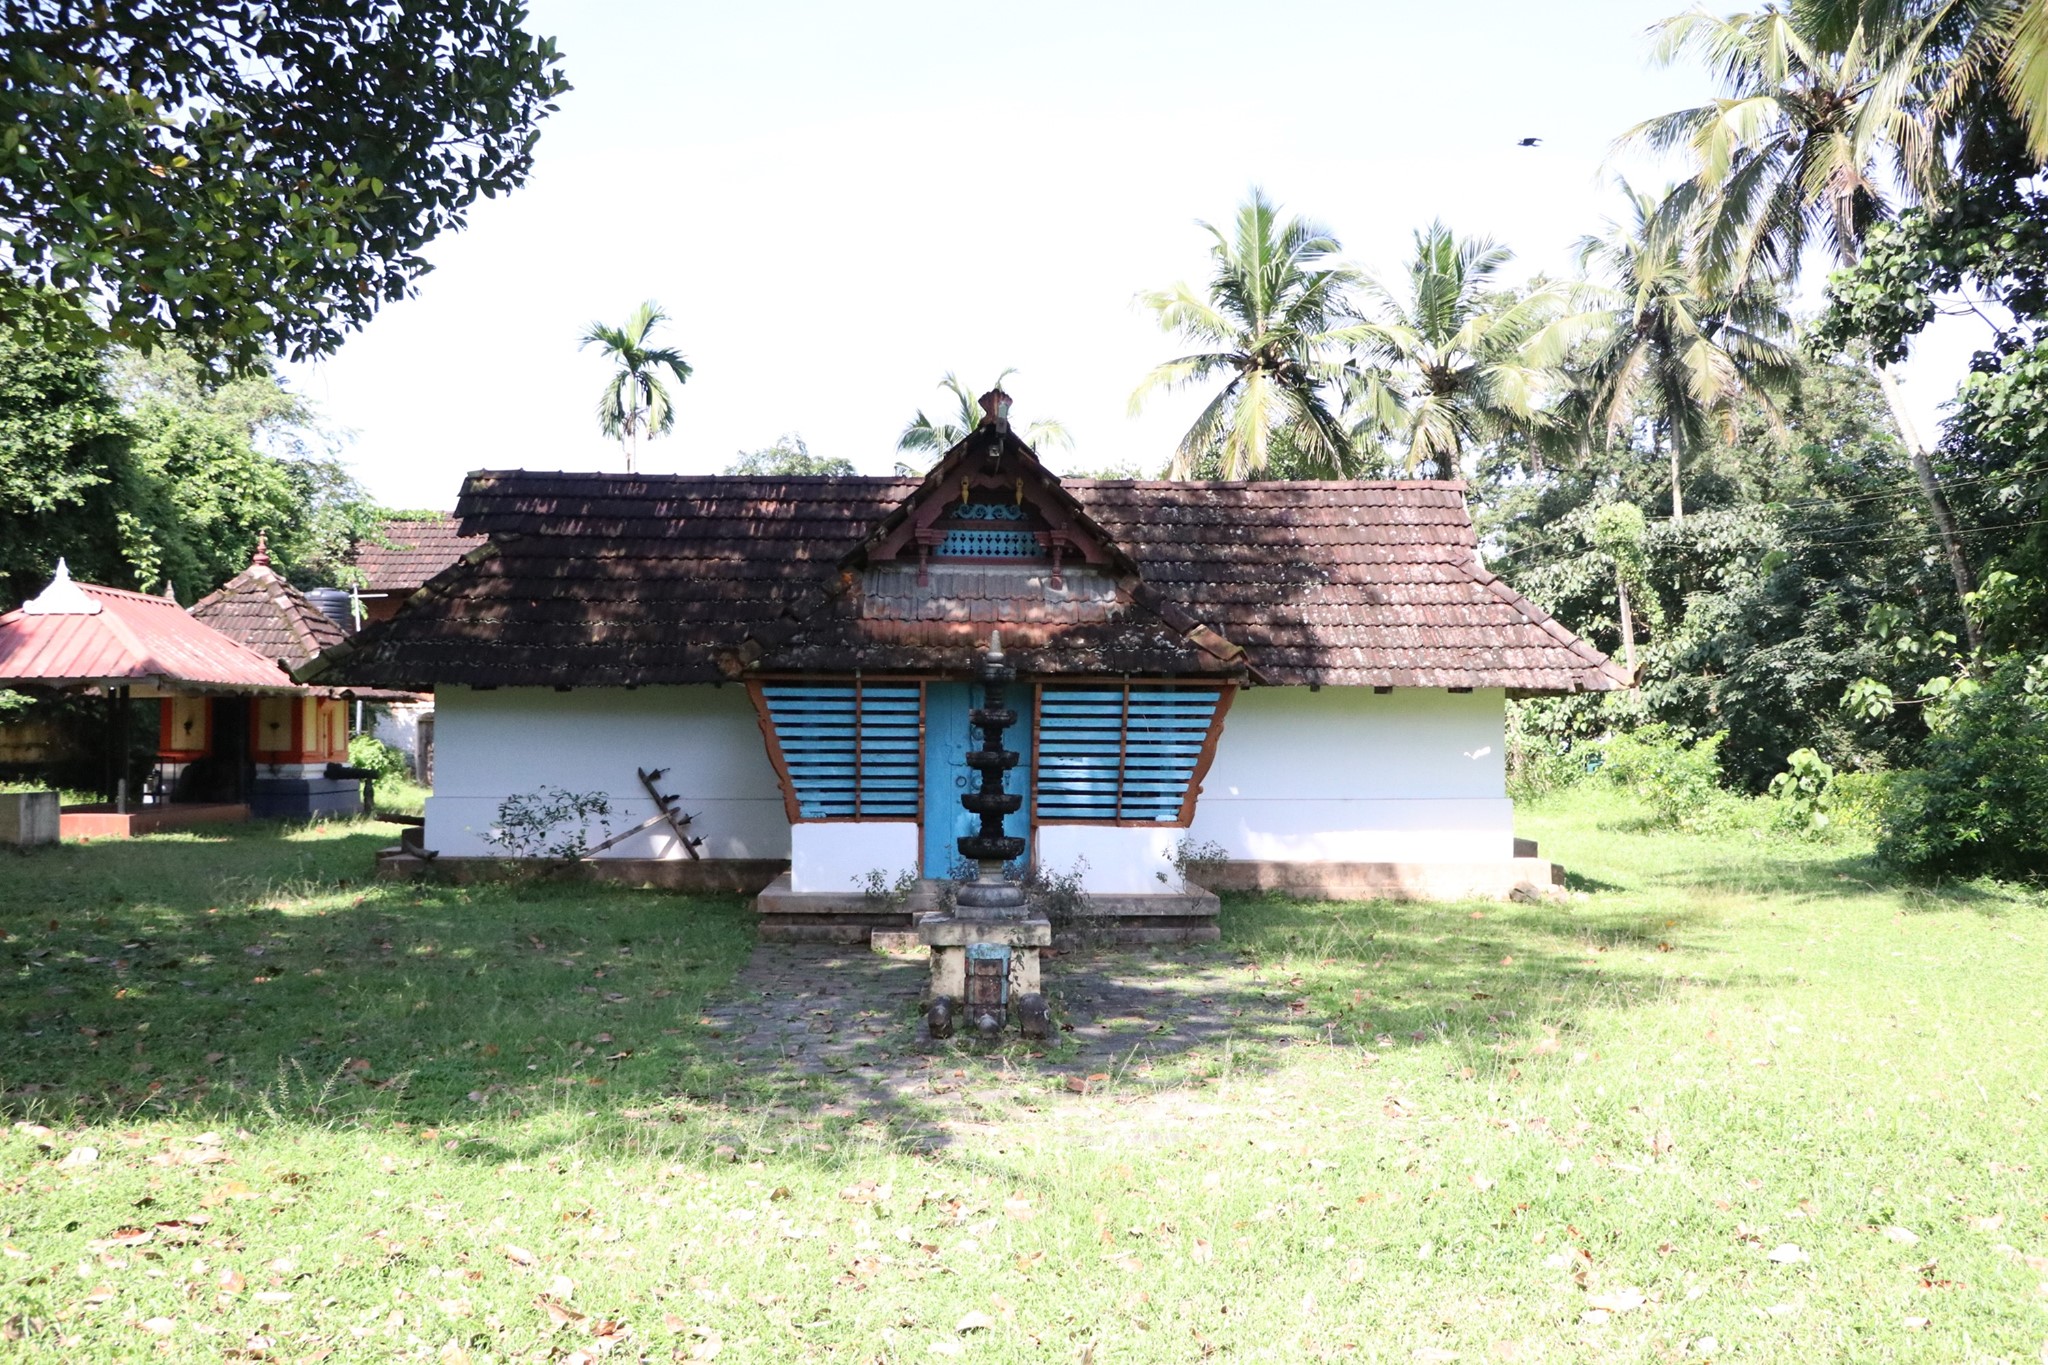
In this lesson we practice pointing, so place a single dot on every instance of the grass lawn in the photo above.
(1741, 1100)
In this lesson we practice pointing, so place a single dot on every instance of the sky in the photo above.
(837, 204)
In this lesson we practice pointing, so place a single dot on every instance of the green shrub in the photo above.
(1858, 801)
(1675, 782)
(1979, 804)
(1805, 792)
(367, 751)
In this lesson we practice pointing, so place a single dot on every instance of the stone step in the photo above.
(1136, 935)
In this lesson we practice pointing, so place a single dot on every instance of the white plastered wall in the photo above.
(1339, 775)
(493, 744)
(838, 855)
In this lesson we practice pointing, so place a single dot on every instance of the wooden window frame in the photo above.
(792, 808)
(1225, 693)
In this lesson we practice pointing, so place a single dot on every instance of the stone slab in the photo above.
(1193, 903)
(1500, 879)
(703, 876)
(940, 931)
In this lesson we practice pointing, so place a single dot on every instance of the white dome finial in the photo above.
(62, 598)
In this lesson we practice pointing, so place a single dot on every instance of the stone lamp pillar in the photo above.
(984, 952)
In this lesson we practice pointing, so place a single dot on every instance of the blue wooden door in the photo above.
(948, 735)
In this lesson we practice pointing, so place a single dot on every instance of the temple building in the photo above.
(1304, 682)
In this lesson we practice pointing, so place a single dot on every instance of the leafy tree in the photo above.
(1677, 351)
(1618, 530)
(63, 447)
(1448, 361)
(1985, 252)
(1269, 323)
(244, 175)
(789, 455)
(139, 483)
(932, 438)
(636, 398)
(1791, 156)
(1756, 617)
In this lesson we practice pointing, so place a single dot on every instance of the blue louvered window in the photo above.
(1121, 753)
(998, 531)
(850, 751)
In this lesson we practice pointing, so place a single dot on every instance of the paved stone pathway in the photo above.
(837, 1030)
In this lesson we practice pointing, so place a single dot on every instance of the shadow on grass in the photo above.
(257, 973)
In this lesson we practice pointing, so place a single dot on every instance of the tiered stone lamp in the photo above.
(984, 952)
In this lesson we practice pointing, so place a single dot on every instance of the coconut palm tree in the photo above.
(1968, 55)
(1268, 327)
(1789, 157)
(934, 437)
(635, 398)
(1447, 359)
(1674, 347)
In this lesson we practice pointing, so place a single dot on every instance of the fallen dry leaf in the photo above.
(1903, 1236)
(1618, 1301)
(518, 1255)
(974, 1321)
(1787, 1254)
(79, 1156)
(159, 1326)
(947, 1348)
(231, 1281)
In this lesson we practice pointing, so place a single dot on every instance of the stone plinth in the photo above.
(985, 972)
(28, 818)
(104, 822)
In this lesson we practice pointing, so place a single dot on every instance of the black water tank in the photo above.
(334, 605)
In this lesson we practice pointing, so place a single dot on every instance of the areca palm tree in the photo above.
(1789, 156)
(1268, 327)
(1449, 360)
(636, 398)
(1675, 346)
(932, 437)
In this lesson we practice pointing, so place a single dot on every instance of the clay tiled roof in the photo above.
(608, 580)
(79, 634)
(406, 553)
(269, 615)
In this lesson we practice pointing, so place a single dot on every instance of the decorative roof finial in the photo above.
(995, 644)
(995, 407)
(61, 598)
(261, 558)
(170, 591)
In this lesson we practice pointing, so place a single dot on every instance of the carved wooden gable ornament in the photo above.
(990, 501)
